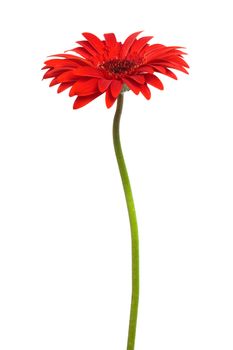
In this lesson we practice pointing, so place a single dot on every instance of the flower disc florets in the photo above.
(120, 67)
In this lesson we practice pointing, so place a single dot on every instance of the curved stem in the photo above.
(133, 224)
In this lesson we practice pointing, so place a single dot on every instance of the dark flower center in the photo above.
(119, 67)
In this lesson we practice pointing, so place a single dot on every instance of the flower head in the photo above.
(109, 66)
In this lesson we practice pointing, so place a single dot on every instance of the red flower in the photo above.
(108, 66)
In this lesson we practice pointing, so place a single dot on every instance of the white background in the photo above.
(65, 241)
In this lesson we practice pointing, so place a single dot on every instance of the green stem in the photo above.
(133, 224)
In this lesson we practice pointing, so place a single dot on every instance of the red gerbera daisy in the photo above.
(109, 66)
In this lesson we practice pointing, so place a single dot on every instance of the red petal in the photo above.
(171, 52)
(146, 91)
(171, 57)
(66, 77)
(88, 72)
(135, 87)
(84, 87)
(145, 69)
(176, 66)
(138, 78)
(179, 60)
(154, 81)
(54, 72)
(103, 84)
(83, 52)
(153, 47)
(116, 87)
(128, 43)
(57, 62)
(160, 49)
(68, 56)
(64, 86)
(170, 74)
(54, 82)
(84, 100)
(87, 46)
(109, 99)
(160, 69)
(164, 53)
(114, 51)
(139, 44)
(166, 63)
(165, 71)
(110, 39)
(94, 41)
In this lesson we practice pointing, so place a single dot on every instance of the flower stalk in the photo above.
(133, 223)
